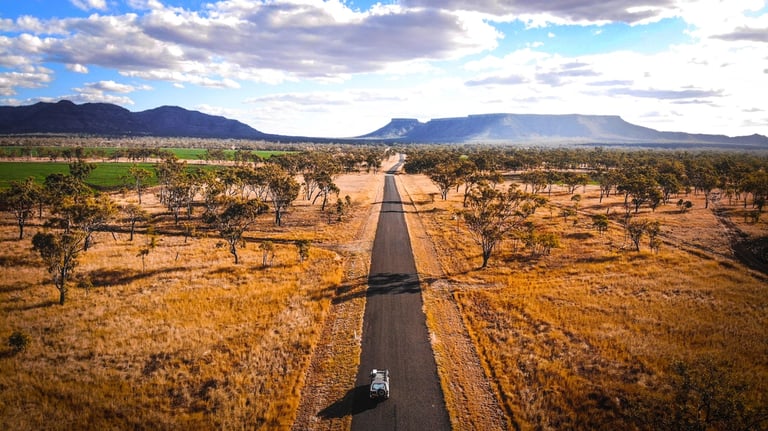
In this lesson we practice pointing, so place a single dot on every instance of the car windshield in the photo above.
(377, 386)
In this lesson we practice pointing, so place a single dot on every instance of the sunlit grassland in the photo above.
(195, 342)
(184, 340)
(586, 336)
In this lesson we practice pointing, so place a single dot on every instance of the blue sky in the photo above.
(343, 68)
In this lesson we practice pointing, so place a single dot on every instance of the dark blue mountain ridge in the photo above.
(108, 119)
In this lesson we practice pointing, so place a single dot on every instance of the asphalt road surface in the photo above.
(395, 335)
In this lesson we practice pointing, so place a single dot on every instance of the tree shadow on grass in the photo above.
(116, 277)
(354, 401)
(27, 307)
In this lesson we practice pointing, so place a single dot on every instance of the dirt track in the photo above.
(395, 335)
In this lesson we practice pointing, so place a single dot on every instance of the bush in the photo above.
(18, 341)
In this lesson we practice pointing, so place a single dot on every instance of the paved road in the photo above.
(395, 334)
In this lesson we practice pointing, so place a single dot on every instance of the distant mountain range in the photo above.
(66, 117)
(551, 129)
(107, 119)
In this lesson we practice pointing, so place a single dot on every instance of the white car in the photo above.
(379, 384)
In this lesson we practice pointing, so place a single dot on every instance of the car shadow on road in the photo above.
(355, 401)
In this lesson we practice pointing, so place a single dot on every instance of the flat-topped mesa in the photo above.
(534, 128)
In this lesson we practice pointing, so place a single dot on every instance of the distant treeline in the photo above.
(133, 154)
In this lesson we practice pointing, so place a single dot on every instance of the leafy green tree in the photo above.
(607, 181)
(325, 186)
(236, 216)
(168, 171)
(20, 199)
(573, 180)
(636, 229)
(57, 187)
(684, 205)
(638, 185)
(283, 189)
(80, 169)
(88, 215)
(536, 179)
(60, 252)
(704, 178)
(600, 222)
(445, 176)
(540, 244)
(493, 213)
(756, 183)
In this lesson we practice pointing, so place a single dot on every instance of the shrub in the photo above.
(18, 341)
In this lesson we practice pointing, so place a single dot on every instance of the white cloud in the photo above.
(27, 77)
(265, 42)
(113, 87)
(89, 4)
(77, 68)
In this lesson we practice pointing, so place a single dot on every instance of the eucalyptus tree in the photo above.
(20, 199)
(373, 160)
(87, 215)
(704, 178)
(133, 214)
(80, 169)
(60, 252)
(492, 213)
(608, 180)
(139, 177)
(236, 215)
(282, 189)
(537, 179)
(168, 172)
(640, 185)
(756, 183)
(572, 180)
(445, 176)
(600, 222)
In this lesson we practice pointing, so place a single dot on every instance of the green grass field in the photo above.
(105, 176)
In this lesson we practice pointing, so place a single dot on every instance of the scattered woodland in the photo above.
(600, 289)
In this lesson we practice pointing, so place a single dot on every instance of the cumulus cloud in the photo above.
(259, 41)
(77, 68)
(28, 77)
(113, 87)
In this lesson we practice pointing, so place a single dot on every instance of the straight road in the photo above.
(395, 334)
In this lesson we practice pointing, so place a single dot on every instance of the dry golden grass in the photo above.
(584, 338)
(191, 342)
